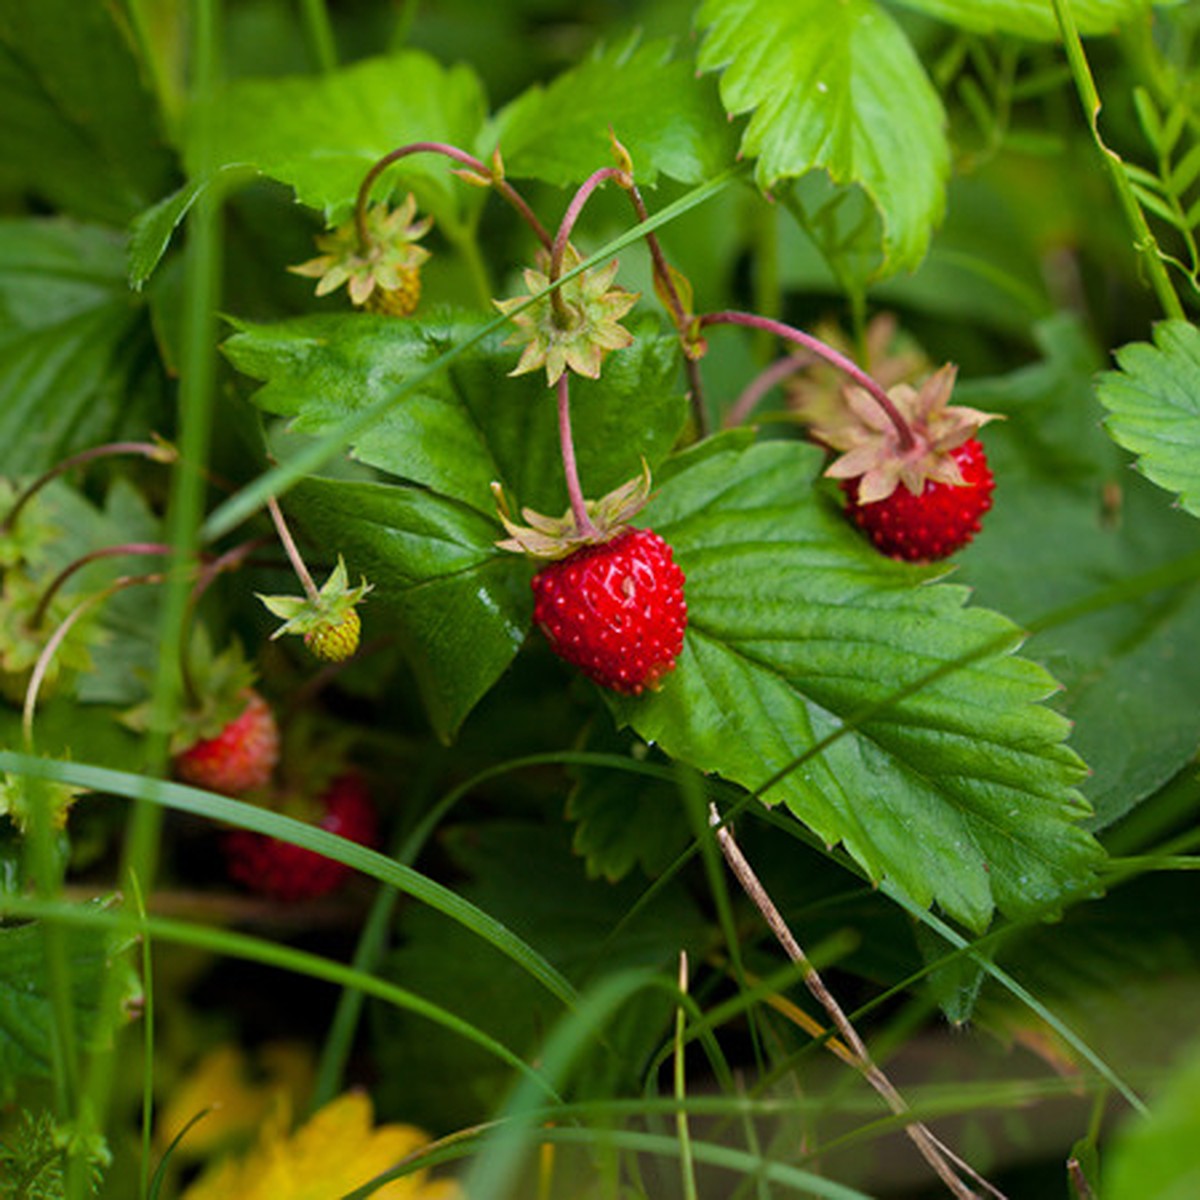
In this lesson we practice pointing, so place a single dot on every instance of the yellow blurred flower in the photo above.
(235, 1096)
(336, 1151)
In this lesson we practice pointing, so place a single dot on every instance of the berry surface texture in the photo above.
(240, 758)
(935, 524)
(615, 610)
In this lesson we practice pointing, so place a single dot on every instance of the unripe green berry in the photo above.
(335, 641)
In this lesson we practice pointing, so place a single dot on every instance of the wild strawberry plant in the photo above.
(715, 445)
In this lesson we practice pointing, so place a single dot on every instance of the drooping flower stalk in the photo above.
(479, 173)
(758, 387)
(155, 451)
(563, 237)
(829, 354)
(290, 548)
(126, 548)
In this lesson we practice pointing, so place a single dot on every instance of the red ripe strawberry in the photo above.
(240, 757)
(285, 872)
(615, 610)
(934, 524)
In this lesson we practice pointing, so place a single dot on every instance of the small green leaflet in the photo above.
(1032, 18)
(322, 134)
(668, 120)
(838, 88)
(951, 779)
(1154, 408)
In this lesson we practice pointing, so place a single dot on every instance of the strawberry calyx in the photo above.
(328, 621)
(553, 538)
(871, 447)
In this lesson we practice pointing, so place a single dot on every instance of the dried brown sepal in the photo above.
(552, 538)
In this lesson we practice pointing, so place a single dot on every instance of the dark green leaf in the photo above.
(1130, 672)
(321, 134)
(459, 607)
(835, 88)
(1154, 408)
(76, 354)
(951, 779)
(565, 915)
(26, 1020)
(669, 121)
(80, 129)
(471, 424)
(1032, 18)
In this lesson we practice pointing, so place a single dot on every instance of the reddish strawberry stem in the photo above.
(130, 548)
(829, 354)
(583, 522)
(678, 315)
(501, 185)
(158, 451)
(562, 314)
(762, 384)
(289, 545)
(59, 636)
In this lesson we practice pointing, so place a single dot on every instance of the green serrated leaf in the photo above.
(76, 353)
(26, 1019)
(1154, 408)
(835, 88)
(459, 607)
(1032, 19)
(951, 781)
(1129, 670)
(472, 424)
(321, 134)
(670, 122)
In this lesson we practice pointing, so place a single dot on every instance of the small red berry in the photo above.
(615, 610)
(238, 759)
(285, 872)
(933, 525)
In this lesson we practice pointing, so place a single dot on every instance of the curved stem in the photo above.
(778, 371)
(562, 313)
(289, 545)
(131, 548)
(59, 636)
(502, 186)
(583, 522)
(821, 350)
(152, 450)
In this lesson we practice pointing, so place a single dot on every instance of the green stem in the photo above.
(1089, 97)
(319, 31)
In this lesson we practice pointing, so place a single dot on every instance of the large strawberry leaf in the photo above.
(322, 134)
(471, 423)
(1154, 408)
(836, 88)
(76, 353)
(949, 779)
(1032, 18)
(459, 608)
(669, 121)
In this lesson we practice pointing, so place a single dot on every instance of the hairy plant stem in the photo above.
(583, 522)
(563, 316)
(502, 186)
(152, 450)
(939, 1158)
(290, 548)
(821, 350)
(666, 282)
